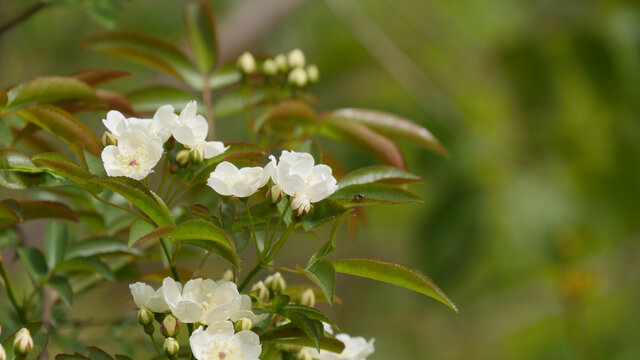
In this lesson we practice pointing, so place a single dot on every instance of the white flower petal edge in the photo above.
(355, 348)
(135, 155)
(159, 126)
(144, 295)
(228, 180)
(218, 341)
(191, 131)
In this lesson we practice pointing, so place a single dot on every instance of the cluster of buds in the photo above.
(293, 66)
(22, 343)
(109, 139)
(272, 285)
(169, 327)
(194, 155)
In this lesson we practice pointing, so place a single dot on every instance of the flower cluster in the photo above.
(294, 174)
(134, 146)
(292, 66)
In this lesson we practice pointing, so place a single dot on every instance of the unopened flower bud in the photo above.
(261, 288)
(298, 77)
(149, 329)
(228, 275)
(301, 205)
(274, 193)
(281, 62)
(145, 316)
(108, 139)
(196, 155)
(182, 157)
(23, 343)
(246, 63)
(171, 347)
(170, 326)
(243, 324)
(304, 354)
(3, 354)
(269, 67)
(313, 73)
(275, 283)
(308, 298)
(296, 58)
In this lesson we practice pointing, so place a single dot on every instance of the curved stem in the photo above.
(11, 291)
(155, 345)
(252, 228)
(167, 253)
(22, 16)
(256, 268)
(283, 238)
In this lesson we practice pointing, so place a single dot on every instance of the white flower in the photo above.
(135, 155)
(207, 301)
(191, 131)
(159, 126)
(219, 342)
(355, 348)
(313, 73)
(296, 58)
(228, 180)
(298, 77)
(299, 177)
(144, 295)
(247, 63)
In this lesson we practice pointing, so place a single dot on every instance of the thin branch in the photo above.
(22, 16)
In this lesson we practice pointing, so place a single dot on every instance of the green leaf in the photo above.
(307, 325)
(149, 99)
(47, 89)
(160, 232)
(202, 230)
(139, 228)
(223, 76)
(279, 301)
(309, 312)
(367, 140)
(98, 76)
(369, 194)
(55, 243)
(85, 264)
(140, 196)
(199, 19)
(294, 336)
(324, 275)
(18, 172)
(63, 125)
(378, 174)
(61, 284)
(395, 274)
(95, 353)
(288, 118)
(390, 125)
(3, 98)
(40, 209)
(7, 216)
(99, 246)
(321, 212)
(330, 246)
(224, 252)
(34, 262)
(67, 168)
(147, 50)
(236, 101)
(75, 356)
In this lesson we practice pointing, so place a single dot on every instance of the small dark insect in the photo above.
(359, 197)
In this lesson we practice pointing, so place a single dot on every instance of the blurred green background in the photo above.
(531, 227)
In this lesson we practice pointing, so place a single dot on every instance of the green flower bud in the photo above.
(261, 288)
(23, 343)
(308, 298)
(196, 155)
(275, 193)
(275, 283)
(170, 326)
(269, 67)
(313, 74)
(243, 324)
(171, 347)
(246, 63)
(108, 139)
(145, 316)
(174, 168)
(182, 157)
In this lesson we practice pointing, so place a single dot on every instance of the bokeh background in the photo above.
(532, 225)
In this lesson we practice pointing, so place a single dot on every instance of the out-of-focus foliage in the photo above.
(533, 224)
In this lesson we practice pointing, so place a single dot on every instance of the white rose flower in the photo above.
(219, 342)
(355, 348)
(144, 295)
(207, 301)
(135, 155)
(191, 131)
(159, 126)
(298, 176)
(296, 58)
(228, 180)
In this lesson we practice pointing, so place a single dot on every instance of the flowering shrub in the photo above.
(160, 185)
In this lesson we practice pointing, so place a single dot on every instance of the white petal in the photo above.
(200, 128)
(248, 343)
(141, 293)
(221, 329)
(172, 293)
(199, 343)
(114, 118)
(189, 111)
(188, 312)
(184, 135)
(213, 148)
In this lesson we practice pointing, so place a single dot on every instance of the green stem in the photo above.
(167, 253)
(164, 174)
(284, 212)
(283, 238)
(156, 346)
(256, 268)
(252, 227)
(11, 291)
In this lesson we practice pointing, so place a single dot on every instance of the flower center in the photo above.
(133, 163)
(222, 355)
